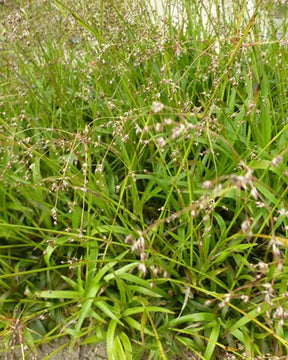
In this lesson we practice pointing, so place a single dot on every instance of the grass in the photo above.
(143, 180)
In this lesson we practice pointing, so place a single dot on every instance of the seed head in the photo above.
(277, 160)
(157, 107)
(142, 268)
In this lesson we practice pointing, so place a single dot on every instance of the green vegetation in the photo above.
(143, 180)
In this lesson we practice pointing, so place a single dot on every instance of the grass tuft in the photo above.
(143, 178)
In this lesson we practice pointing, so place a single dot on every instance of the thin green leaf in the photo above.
(212, 341)
(110, 338)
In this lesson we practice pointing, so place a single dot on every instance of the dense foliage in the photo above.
(143, 180)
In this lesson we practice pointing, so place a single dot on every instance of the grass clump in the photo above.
(143, 180)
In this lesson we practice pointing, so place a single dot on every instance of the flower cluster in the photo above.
(138, 246)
